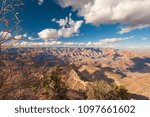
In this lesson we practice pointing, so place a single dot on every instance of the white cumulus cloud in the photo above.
(62, 22)
(51, 34)
(40, 2)
(133, 14)
(68, 28)
(5, 35)
(18, 37)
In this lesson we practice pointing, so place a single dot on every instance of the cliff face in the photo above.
(137, 84)
(74, 81)
(82, 65)
(76, 86)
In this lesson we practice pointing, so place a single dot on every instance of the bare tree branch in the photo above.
(9, 20)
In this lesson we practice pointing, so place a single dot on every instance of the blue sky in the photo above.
(40, 21)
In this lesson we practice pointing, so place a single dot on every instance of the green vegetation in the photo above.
(101, 90)
(53, 85)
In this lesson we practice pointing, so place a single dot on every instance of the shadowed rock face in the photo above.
(138, 97)
(128, 68)
(140, 64)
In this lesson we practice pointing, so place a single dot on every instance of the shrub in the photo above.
(53, 85)
(101, 90)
